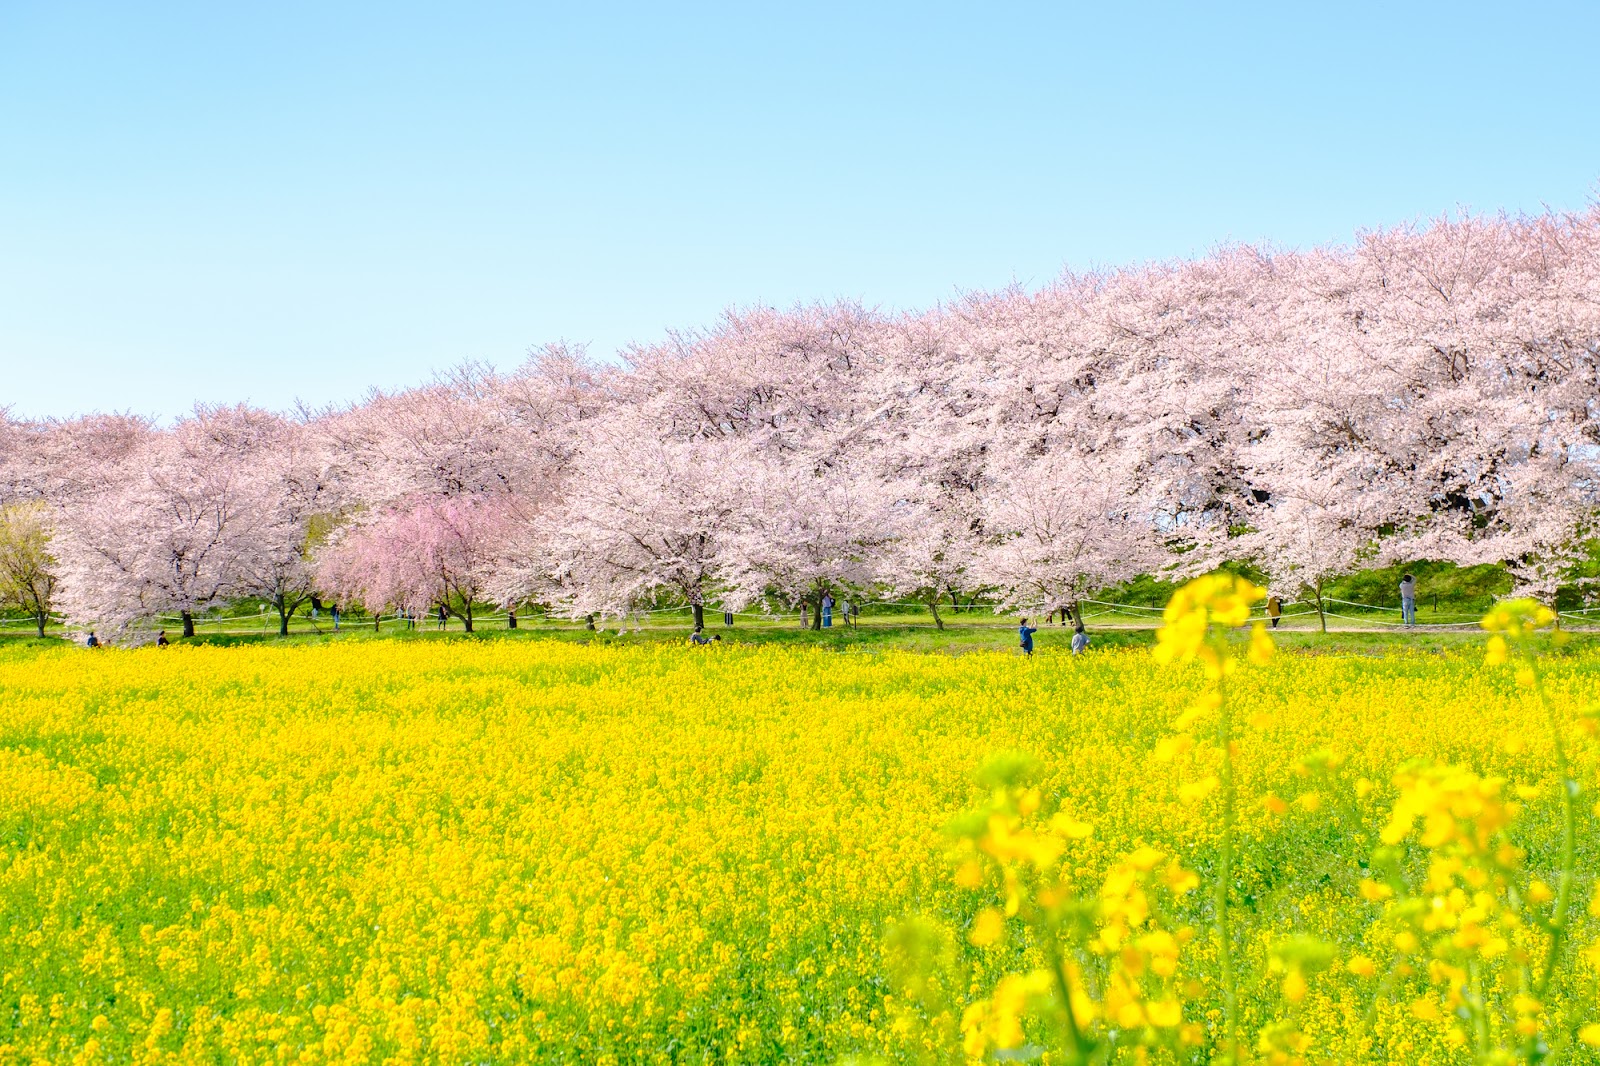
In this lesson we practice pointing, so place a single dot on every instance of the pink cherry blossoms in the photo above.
(1429, 392)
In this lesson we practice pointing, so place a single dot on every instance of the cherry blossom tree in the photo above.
(420, 555)
(803, 532)
(1429, 392)
(1060, 525)
(169, 530)
(645, 521)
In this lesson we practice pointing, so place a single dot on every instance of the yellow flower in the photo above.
(1261, 646)
(1590, 1034)
(1361, 966)
(1374, 891)
(987, 927)
(1165, 1013)
(1425, 1009)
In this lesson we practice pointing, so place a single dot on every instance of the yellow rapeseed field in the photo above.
(479, 851)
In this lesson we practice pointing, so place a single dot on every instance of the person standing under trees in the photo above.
(1408, 600)
(444, 616)
(1274, 610)
(335, 613)
(1025, 634)
(827, 610)
(1080, 639)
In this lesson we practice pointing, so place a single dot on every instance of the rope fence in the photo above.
(536, 620)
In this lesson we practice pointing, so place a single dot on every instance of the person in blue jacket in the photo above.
(1026, 632)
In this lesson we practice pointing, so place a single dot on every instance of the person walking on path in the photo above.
(1408, 599)
(1025, 634)
(1080, 639)
(827, 610)
(1274, 610)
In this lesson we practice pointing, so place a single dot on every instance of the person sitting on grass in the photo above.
(93, 641)
(1025, 633)
(1080, 639)
(161, 638)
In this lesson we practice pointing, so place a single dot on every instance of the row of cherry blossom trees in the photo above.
(1429, 392)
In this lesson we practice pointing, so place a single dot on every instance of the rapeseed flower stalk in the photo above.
(1110, 954)
(1516, 638)
(1200, 624)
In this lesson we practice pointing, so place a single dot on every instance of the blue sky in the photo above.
(221, 202)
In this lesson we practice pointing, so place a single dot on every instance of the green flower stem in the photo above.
(1569, 838)
(1230, 981)
(1079, 1051)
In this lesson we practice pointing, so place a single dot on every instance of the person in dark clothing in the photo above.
(93, 641)
(444, 616)
(161, 638)
(1025, 634)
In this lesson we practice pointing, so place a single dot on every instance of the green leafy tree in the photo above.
(27, 569)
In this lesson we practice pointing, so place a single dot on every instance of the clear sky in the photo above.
(270, 202)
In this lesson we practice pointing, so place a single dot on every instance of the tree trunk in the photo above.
(1077, 613)
(699, 615)
(1321, 613)
(188, 623)
(511, 618)
(39, 619)
(588, 623)
(466, 618)
(283, 621)
(377, 621)
(933, 605)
